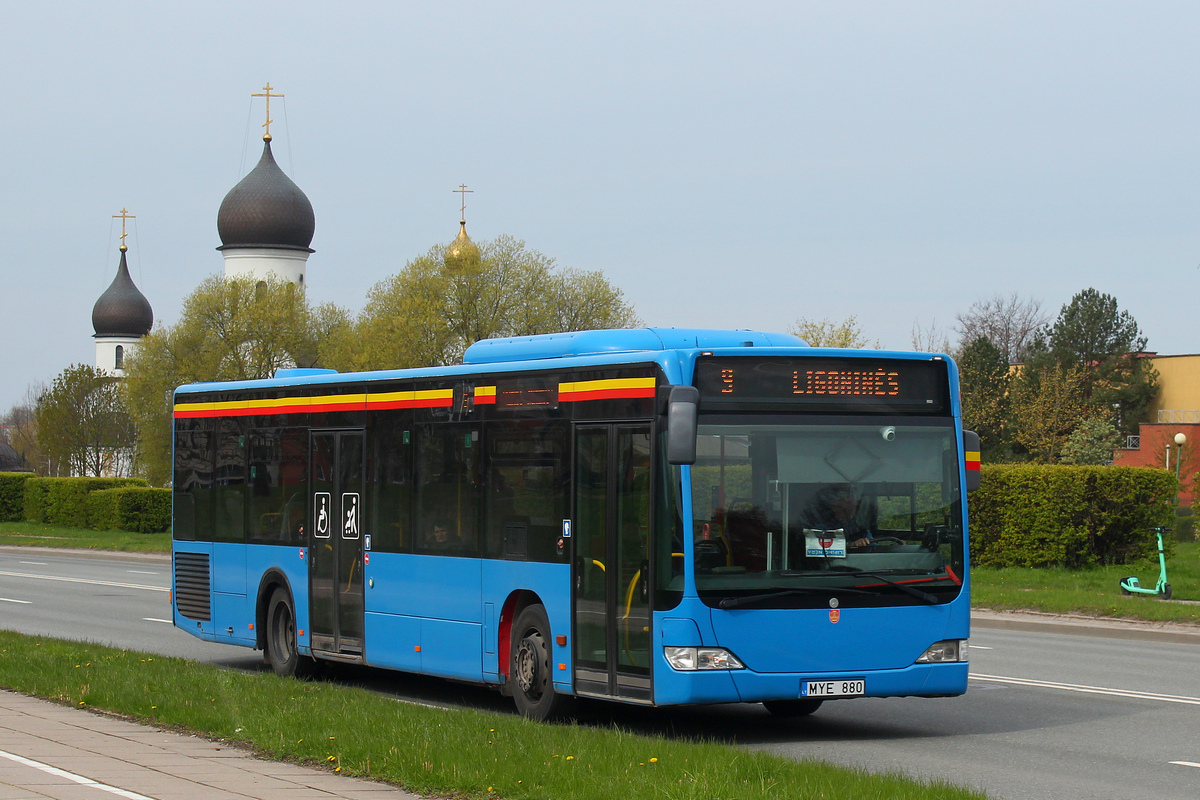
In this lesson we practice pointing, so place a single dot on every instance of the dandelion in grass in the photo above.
(570, 758)
(654, 761)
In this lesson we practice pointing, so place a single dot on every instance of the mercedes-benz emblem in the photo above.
(833, 603)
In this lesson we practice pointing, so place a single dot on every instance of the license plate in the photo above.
(849, 687)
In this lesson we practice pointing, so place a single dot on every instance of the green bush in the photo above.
(12, 495)
(1185, 525)
(139, 509)
(63, 501)
(1028, 515)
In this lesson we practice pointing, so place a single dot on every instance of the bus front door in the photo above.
(335, 565)
(611, 551)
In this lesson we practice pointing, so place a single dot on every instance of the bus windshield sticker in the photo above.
(566, 529)
(824, 544)
(322, 528)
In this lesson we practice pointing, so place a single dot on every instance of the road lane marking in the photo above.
(1074, 687)
(979, 647)
(1185, 763)
(156, 619)
(71, 776)
(86, 580)
(22, 602)
(35, 563)
(140, 572)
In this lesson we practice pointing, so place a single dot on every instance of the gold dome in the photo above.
(462, 254)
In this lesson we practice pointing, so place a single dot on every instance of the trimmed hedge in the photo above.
(140, 509)
(12, 495)
(63, 501)
(1029, 515)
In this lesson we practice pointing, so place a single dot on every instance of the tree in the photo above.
(1009, 323)
(1047, 406)
(984, 386)
(21, 421)
(1093, 336)
(431, 311)
(827, 333)
(1093, 442)
(929, 340)
(82, 421)
(228, 330)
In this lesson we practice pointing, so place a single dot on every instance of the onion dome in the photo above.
(122, 310)
(266, 209)
(462, 254)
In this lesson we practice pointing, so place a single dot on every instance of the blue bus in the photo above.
(652, 516)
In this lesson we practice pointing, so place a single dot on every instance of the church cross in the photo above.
(124, 215)
(267, 94)
(464, 191)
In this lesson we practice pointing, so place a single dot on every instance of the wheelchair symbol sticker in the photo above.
(323, 510)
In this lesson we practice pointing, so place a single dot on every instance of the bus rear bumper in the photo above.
(746, 686)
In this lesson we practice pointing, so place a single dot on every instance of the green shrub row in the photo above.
(1029, 515)
(139, 509)
(12, 495)
(97, 503)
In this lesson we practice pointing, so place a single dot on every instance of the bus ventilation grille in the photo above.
(192, 585)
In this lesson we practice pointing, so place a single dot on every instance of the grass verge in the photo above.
(36, 534)
(1094, 591)
(425, 750)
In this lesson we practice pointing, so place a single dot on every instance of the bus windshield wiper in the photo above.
(914, 591)
(733, 602)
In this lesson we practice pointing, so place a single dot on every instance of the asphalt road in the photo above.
(1048, 715)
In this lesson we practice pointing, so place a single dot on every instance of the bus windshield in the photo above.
(791, 514)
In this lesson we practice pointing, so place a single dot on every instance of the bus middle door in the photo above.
(335, 544)
(612, 526)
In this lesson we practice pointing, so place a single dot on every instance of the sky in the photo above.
(725, 165)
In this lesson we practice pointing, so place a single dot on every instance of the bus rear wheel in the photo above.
(530, 670)
(281, 635)
(792, 708)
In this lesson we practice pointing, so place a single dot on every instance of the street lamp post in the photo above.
(1179, 440)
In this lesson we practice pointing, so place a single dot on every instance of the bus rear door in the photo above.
(335, 565)
(611, 540)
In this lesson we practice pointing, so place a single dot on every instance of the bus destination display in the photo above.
(909, 384)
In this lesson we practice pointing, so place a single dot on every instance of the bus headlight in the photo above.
(689, 659)
(946, 651)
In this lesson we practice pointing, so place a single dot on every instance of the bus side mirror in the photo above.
(681, 424)
(971, 454)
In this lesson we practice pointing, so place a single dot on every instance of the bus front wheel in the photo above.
(530, 669)
(281, 634)
(792, 708)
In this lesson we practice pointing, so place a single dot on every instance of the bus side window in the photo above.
(527, 489)
(448, 487)
(389, 476)
(229, 499)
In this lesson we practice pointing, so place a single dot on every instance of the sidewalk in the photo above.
(51, 751)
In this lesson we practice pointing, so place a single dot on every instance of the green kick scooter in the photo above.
(1130, 585)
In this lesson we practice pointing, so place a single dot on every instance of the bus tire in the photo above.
(281, 650)
(530, 670)
(792, 708)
